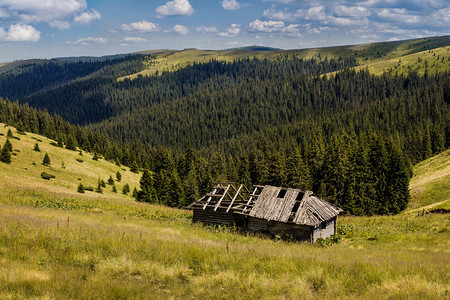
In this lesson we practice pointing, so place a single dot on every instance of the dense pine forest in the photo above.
(351, 137)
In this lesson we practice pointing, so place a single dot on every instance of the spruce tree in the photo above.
(118, 176)
(134, 167)
(147, 192)
(9, 134)
(8, 145)
(80, 188)
(110, 180)
(36, 148)
(126, 189)
(99, 188)
(95, 156)
(114, 189)
(46, 160)
(71, 145)
(5, 155)
(135, 193)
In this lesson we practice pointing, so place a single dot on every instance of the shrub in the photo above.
(89, 188)
(47, 176)
(95, 156)
(79, 160)
(36, 148)
(114, 189)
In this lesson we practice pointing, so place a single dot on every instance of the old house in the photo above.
(216, 206)
(275, 210)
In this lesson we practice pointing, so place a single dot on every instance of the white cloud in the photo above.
(142, 26)
(180, 29)
(22, 33)
(87, 17)
(280, 1)
(175, 7)
(313, 13)
(441, 16)
(274, 14)
(88, 40)
(131, 39)
(347, 21)
(57, 13)
(230, 4)
(2, 33)
(351, 11)
(206, 29)
(398, 14)
(267, 26)
(61, 25)
(232, 31)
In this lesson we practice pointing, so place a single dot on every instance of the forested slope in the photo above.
(351, 137)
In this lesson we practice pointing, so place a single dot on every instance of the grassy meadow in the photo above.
(58, 244)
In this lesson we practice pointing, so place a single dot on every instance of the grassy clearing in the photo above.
(430, 185)
(431, 60)
(69, 167)
(56, 243)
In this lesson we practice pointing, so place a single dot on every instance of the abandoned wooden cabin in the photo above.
(275, 210)
(216, 206)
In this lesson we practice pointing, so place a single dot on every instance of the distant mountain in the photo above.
(254, 48)
(91, 58)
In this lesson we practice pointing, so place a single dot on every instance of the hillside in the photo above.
(23, 176)
(365, 55)
(56, 243)
(430, 185)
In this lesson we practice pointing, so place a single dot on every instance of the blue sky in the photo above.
(53, 28)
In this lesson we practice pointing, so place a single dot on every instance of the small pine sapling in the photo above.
(126, 189)
(135, 193)
(118, 176)
(46, 161)
(114, 190)
(5, 155)
(80, 188)
(110, 180)
(36, 148)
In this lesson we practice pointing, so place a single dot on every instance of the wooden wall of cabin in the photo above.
(324, 230)
(210, 216)
(300, 232)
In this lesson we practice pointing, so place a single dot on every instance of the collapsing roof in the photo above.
(288, 206)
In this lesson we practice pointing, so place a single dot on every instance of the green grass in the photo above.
(436, 60)
(59, 244)
(430, 185)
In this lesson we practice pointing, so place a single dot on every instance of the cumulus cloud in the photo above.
(57, 13)
(21, 33)
(175, 7)
(280, 1)
(87, 17)
(351, 11)
(131, 39)
(399, 15)
(232, 31)
(142, 26)
(206, 29)
(275, 27)
(89, 40)
(267, 26)
(180, 29)
(230, 4)
(61, 25)
(274, 14)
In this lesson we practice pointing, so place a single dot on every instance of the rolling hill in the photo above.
(57, 243)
